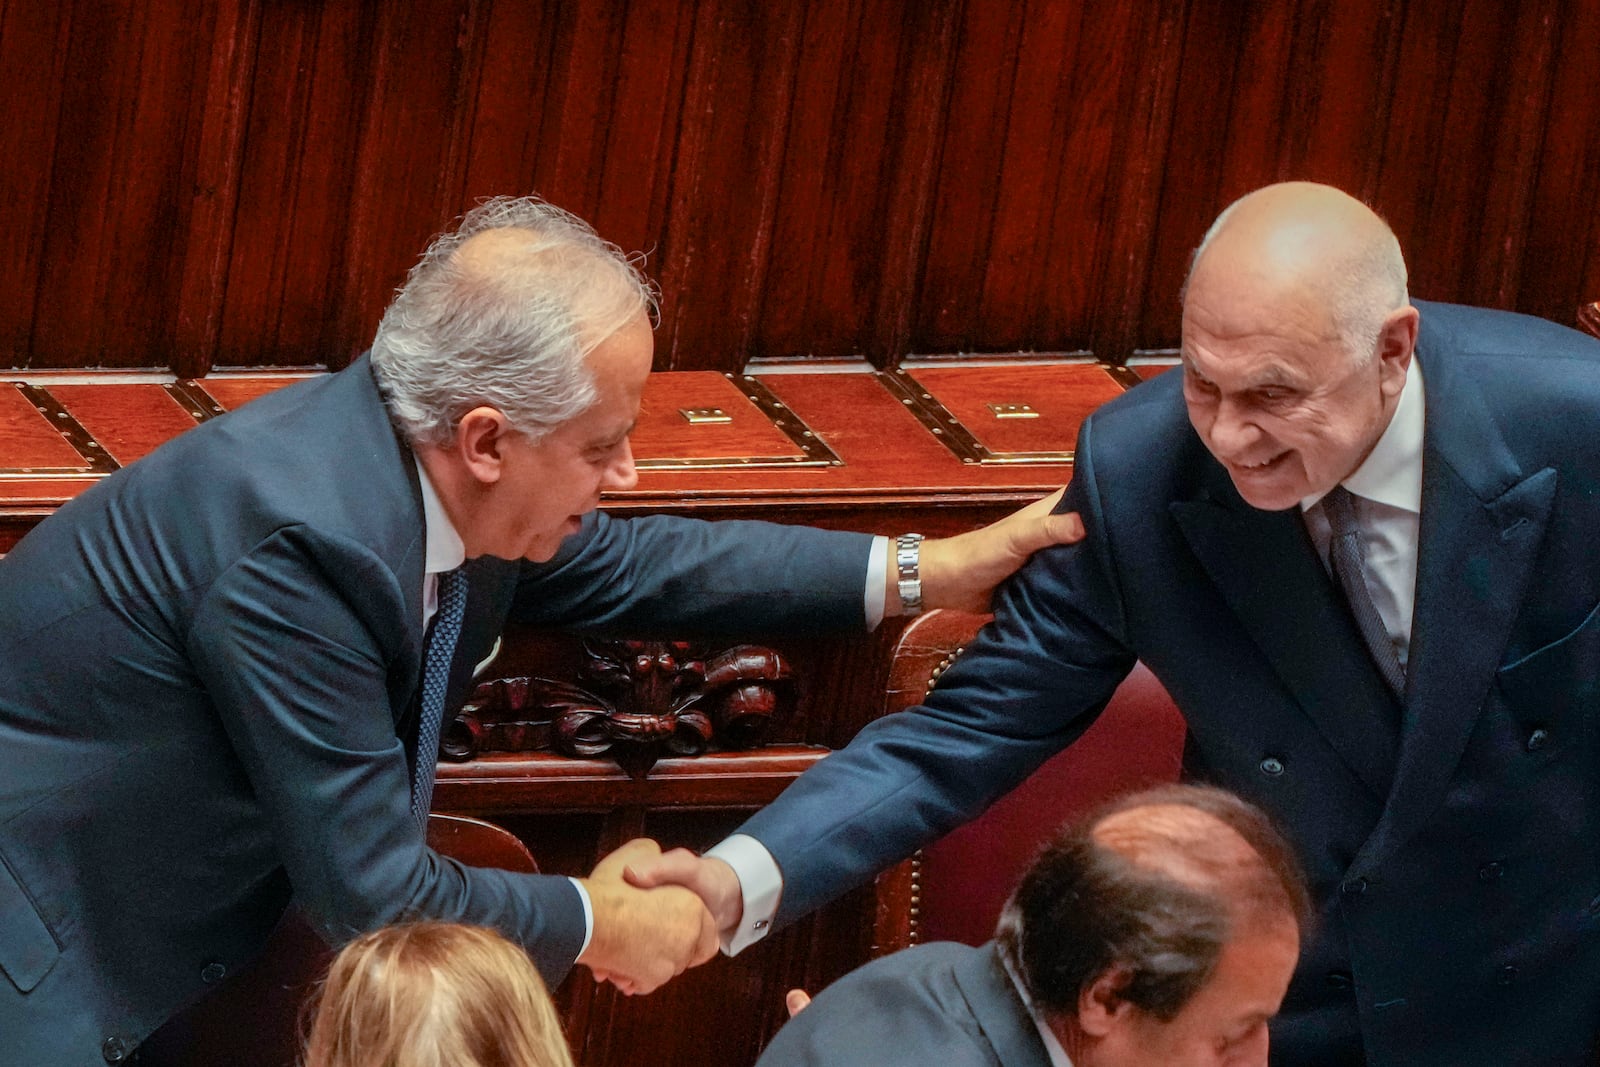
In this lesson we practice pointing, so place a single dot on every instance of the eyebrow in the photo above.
(613, 439)
(1272, 378)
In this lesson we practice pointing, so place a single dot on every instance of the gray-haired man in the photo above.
(218, 680)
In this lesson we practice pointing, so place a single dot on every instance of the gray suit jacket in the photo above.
(941, 1003)
(1453, 844)
(208, 675)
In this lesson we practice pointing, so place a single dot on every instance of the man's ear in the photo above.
(1397, 340)
(480, 443)
(1101, 1005)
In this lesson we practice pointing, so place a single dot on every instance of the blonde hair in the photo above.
(434, 995)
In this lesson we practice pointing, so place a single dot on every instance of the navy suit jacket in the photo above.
(1452, 844)
(208, 674)
(941, 1003)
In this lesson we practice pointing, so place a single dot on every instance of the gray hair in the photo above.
(515, 337)
(1159, 898)
(1365, 281)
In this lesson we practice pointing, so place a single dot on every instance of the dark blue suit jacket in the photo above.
(943, 1003)
(208, 667)
(1456, 858)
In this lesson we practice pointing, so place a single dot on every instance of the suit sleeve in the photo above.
(293, 643)
(1029, 685)
(687, 578)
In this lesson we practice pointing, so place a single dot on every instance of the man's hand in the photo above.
(712, 880)
(961, 572)
(796, 1001)
(643, 937)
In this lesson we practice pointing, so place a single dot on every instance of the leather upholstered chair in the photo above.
(953, 890)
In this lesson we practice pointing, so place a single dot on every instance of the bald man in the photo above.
(1355, 539)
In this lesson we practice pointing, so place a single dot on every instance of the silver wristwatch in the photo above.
(907, 564)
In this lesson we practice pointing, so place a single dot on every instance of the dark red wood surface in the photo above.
(243, 183)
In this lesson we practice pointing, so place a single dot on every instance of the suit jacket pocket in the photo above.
(27, 949)
(1556, 688)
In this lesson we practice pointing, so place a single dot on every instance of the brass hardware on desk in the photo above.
(812, 450)
(1012, 411)
(96, 460)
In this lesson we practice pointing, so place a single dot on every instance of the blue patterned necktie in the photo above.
(435, 679)
(1348, 561)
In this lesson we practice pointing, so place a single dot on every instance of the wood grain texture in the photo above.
(29, 442)
(130, 421)
(243, 184)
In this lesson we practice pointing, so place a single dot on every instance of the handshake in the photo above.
(656, 914)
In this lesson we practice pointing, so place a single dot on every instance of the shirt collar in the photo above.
(1052, 1044)
(1392, 472)
(445, 550)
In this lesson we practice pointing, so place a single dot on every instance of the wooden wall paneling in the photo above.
(117, 202)
(927, 72)
(632, 187)
(1151, 48)
(961, 236)
(515, 58)
(1226, 131)
(291, 232)
(804, 226)
(1523, 75)
(863, 130)
(725, 176)
(401, 196)
(33, 52)
(217, 129)
(1051, 171)
(1560, 265)
(1117, 74)
(1343, 63)
(1448, 153)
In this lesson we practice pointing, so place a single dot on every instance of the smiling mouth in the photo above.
(1257, 468)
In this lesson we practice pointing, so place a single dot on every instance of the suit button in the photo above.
(1505, 975)
(212, 973)
(1339, 981)
(1354, 887)
(1537, 739)
(113, 1050)
(1272, 766)
(1491, 871)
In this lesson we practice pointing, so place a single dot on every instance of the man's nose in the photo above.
(1232, 430)
(621, 474)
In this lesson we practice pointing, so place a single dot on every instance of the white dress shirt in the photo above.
(1388, 503)
(1052, 1044)
(1387, 492)
(445, 551)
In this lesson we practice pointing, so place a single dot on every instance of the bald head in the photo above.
(1154, 888)
(1202, 840)
(1310, 248)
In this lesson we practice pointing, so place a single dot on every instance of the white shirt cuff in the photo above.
(760, 885)
(877, 575)
(588, 915)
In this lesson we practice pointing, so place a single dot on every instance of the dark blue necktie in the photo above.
(1347, 559)
(435, 679)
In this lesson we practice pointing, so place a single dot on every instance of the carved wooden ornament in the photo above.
(638, 701)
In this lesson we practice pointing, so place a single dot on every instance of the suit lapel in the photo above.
(1266, 569)
(1482, 523)
(998, 1010)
